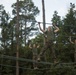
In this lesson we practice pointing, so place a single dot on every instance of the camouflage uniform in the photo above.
(35, 54)
(50, 37)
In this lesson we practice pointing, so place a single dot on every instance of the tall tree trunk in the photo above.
(25, 33)
(12, 40)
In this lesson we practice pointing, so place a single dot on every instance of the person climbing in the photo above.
(73, 42)
(34, 48)
(49, 35)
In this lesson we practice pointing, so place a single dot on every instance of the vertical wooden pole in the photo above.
(75, 51)
(17, 40)
(43, 8)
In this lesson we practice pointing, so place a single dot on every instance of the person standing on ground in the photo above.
(34, 48)
(50, 38)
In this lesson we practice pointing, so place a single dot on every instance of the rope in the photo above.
(22, 59)
(29, 60)
(38, 68)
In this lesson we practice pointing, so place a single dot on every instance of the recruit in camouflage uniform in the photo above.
(34, 48)
(49, 35)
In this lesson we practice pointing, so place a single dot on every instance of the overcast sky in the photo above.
(50, 6)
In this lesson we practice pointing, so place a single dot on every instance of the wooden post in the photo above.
(43, 9)
(75, 51)
(17, 40)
